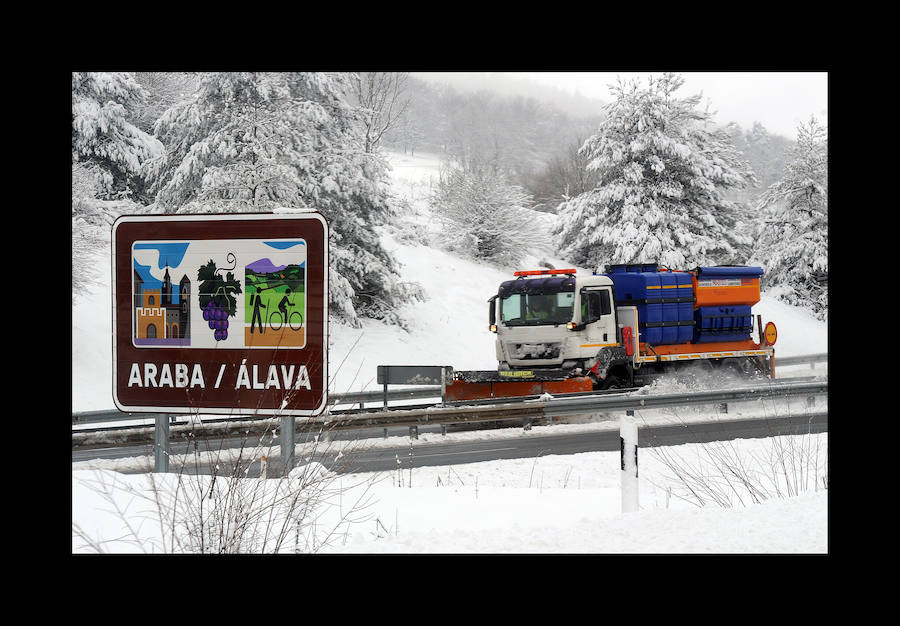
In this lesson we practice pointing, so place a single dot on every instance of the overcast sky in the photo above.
(779, 100)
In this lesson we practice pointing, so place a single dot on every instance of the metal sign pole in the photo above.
(161, 444)
(287, 444)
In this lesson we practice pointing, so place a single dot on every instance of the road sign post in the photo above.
(287, 444)
(161, 449)
(224, 313)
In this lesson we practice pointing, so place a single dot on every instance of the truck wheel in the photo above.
(614, 382)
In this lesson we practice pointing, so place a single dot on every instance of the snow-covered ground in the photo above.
(550, 504)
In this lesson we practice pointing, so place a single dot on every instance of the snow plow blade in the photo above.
(480, 385)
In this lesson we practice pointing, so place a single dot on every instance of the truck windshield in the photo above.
(537, 309)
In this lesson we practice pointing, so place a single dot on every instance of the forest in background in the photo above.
(533, 142)
(536, 143)
(231, 142)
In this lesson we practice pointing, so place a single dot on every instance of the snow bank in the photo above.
(551, 504)
(505, 521)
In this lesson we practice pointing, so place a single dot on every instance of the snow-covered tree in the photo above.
(662, 166)
(484, 217)
(767, 154)
(88, 222)
(164, 90)
(793, 235)
(254, 141)
(382, 101)
(565, 175)
(103, 135)
(108, 155)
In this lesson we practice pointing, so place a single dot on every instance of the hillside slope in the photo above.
(448, 328)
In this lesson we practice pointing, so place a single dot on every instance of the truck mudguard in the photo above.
(608, 358)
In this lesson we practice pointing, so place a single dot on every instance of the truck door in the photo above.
(598, 317)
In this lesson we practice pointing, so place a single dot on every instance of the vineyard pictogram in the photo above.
(217, 296)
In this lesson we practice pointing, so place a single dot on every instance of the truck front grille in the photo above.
(534, 351)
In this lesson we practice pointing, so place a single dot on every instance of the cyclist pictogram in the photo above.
(275, 308)
(294, 318)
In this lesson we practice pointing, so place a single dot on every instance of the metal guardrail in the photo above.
(363, 397)
(353, 398)
(812, 359)
(637, 401)
(575, 405)
(527, 411)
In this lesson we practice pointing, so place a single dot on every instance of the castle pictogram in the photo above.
(160, 314)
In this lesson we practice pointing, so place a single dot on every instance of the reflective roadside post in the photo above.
(628, 438)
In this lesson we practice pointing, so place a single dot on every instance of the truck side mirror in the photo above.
(492, 314)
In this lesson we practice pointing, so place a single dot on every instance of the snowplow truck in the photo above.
(634, 322)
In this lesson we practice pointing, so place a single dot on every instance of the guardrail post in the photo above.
(723, 407)
(413, 432)
(628, 439)
(161, 444)
(287, 444)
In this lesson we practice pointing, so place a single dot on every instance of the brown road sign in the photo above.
(222, 313)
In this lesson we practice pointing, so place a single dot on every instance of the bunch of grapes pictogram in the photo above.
(217, 316)
(217, 297)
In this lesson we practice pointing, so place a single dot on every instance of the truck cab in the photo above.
(553, 319)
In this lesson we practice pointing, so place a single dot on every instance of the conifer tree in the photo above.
(254, 141)
(662, 167)
(793, 234)
(103, 138)
(108, 156)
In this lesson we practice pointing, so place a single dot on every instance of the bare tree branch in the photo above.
(382, 100)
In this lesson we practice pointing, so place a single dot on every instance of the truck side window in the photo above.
(605, 306)
(511, 308)
(594, 304)
(590, 310)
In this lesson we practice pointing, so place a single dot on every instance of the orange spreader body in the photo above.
(725, 292)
